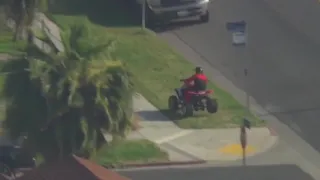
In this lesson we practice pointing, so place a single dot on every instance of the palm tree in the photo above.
(63, 101)
(22, 12)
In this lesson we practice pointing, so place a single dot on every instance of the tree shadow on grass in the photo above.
(110, 13)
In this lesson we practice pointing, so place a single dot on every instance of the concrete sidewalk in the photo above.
(188, 145)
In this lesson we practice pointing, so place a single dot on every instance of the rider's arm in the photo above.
(190, 79)
(206, 80)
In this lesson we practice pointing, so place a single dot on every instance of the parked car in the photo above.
(16, 157)
(13, 154)
(167, 10)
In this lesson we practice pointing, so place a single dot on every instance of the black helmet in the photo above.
(199, 70)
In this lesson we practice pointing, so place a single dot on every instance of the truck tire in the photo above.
(205, 17)
(151, 20)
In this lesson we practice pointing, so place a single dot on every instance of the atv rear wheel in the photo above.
(173, 103)
(212, 105)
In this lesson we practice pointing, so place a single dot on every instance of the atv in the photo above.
(200, 101)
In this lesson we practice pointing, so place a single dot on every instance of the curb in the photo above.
(155, 164)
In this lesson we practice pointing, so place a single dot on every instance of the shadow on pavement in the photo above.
(163, 115)
(176, 25)
(265, 172)
(154, 115)
(109, 13)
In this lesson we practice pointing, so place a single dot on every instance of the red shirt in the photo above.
(197, 76)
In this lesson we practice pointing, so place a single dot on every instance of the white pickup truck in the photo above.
(166, 10)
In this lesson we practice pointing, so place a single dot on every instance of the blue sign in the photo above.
(238, 26)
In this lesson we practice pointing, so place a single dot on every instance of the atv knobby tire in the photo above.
(212, 105)
(173, 103)
(188, 110)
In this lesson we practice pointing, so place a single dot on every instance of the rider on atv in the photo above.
(195, 83)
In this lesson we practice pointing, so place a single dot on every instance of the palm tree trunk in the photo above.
(24, 14)
(100, 140)
(59, 139)
(19, 23)
(17, 32)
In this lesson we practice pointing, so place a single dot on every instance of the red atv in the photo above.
(199, 101)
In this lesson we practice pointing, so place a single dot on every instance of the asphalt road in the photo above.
(274, 172)
(283, 61)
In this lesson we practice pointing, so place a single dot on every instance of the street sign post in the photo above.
(143, 17)
(239, 30)
(243, 138)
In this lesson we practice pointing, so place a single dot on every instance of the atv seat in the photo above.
(206, 92)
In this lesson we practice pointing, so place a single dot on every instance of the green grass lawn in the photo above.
(157, 69)
(129, 152)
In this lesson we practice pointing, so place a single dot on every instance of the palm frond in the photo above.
(101, 49)
(83, 86)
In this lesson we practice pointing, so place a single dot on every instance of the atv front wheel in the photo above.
(212, 105)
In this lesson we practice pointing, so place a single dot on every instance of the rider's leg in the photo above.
(182, 90)
(187, 95)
